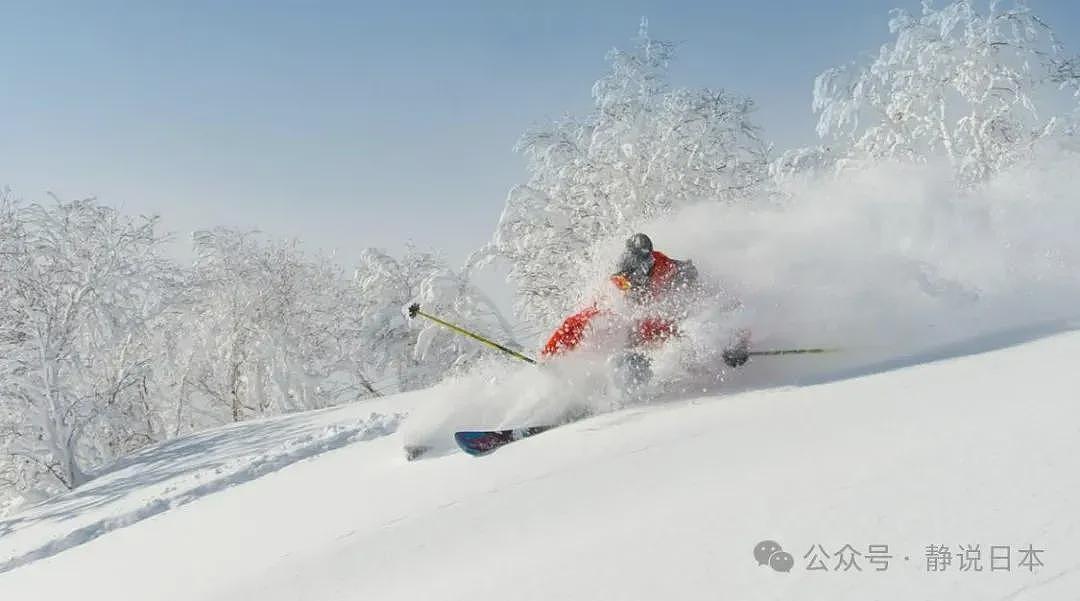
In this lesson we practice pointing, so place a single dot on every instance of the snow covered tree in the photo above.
(414, 354)
(105, 346)
(646, 148)
(267, 332)
(978, 89)
(800, 164)
(80, 285)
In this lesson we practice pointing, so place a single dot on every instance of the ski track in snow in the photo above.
(188, 481)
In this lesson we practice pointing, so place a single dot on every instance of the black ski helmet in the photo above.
(639, 244)
(636, 261)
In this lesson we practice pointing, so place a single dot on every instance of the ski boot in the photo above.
(630, 372)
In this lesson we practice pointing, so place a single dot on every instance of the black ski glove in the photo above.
(734, 357)
(686, 274)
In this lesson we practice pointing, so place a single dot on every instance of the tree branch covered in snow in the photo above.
(979, 89)
(106, 346)
(420, 353)
(81, 286)
(645, 150)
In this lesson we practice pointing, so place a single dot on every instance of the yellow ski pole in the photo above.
(793, 351)
(414, 310)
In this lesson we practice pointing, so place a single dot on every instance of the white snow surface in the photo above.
(978, 444)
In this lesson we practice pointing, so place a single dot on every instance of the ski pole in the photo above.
(414, 310)
(793, 351)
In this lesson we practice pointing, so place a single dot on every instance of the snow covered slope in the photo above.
(665, 501)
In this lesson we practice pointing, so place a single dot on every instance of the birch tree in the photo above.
(646, 149)
(269, 330)
(979, 90)
(81, 283)
(413, 354)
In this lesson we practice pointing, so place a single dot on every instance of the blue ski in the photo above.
(488, 441)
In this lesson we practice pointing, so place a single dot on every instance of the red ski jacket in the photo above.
(662, 279)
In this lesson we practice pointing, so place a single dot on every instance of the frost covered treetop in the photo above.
(978, 89)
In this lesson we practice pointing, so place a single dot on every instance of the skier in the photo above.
(657, 287)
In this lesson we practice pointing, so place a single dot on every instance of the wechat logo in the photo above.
(769, 552)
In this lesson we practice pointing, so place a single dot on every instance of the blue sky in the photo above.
(353, 124)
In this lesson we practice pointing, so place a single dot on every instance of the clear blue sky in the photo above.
(353, 124)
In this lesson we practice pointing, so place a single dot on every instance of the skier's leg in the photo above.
(630, 371)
